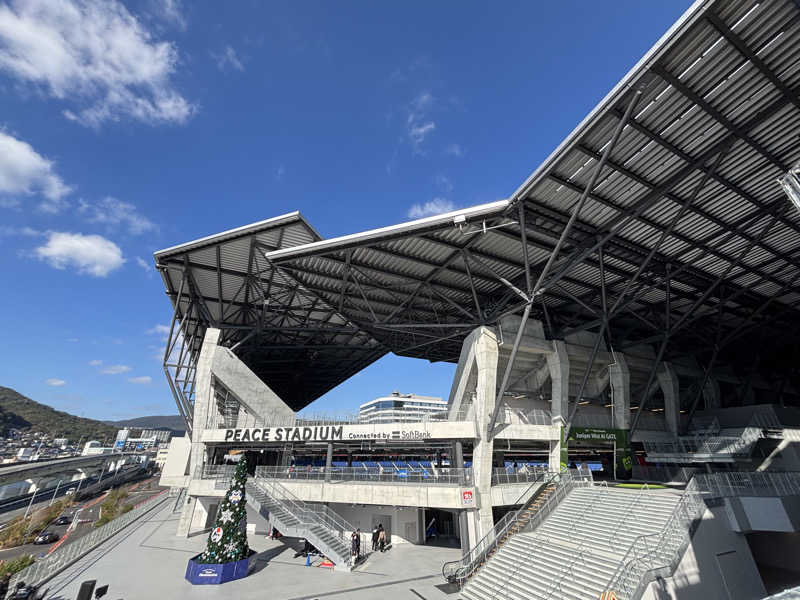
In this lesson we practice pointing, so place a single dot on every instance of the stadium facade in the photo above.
(632, 307)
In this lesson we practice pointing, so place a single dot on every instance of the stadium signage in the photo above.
(321, 433)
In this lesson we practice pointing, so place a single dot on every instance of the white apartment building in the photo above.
(401, 408)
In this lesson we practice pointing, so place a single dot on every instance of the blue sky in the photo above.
(126, 128)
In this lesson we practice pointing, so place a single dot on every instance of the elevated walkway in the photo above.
(576, 549)
(711, 447)
(321, 526)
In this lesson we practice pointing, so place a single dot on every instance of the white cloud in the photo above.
(433, 207)
(115, 369)
(171, 11)
(158, 330)
(72, 340)
(141, 380)
(95, 56)
(444, 183)
(143, 263)
(95, 363)
(25, 172)
(418, 124)
(89, 254)
(24, 231)
(454, 150)
(53, 381)
(112, 212)
(280, 172)
(227, 58)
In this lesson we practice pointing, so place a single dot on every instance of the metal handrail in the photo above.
(309, 515)
(428, 476)
(627, 513)
(558, 495)
(459, 570)
(604, 487)
(43, 570)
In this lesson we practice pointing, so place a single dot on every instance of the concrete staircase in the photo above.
(576, 550)
(321, 526)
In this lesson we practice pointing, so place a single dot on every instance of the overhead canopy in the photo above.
(657, 221)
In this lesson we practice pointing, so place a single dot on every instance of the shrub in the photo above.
(10, 567)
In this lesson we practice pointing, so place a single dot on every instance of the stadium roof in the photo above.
(658, 220)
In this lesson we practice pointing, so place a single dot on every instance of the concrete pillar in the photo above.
(328, 462)
(668, 380)
(486, 355)
(554, 456)
(457, 458)
(620, 380)
(558, 363)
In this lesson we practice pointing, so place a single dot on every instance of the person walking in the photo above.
(375, 533)
(354, 546)
(382, 538)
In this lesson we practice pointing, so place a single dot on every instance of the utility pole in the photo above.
(53, 499)
(35, 489)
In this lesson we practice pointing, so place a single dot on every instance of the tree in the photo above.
(228, 540)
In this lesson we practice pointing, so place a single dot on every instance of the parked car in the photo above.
(46, 537)
(63, 520)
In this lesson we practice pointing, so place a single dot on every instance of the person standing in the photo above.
(354, 546)
(381, 537)
(375, 533)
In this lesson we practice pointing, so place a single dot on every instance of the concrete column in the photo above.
(558, 363)
(668, 380)
(203, 398)
(457, 458)
(554, 456)
(486, 355)
(328, 462)
(620, 379)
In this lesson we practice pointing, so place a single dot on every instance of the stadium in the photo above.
(625, 411)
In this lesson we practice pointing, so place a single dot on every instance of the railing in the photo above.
(427, 476)
(664, 474)
(309, 515)
(765, 484)
(525, 474)
(658, 554)
(54, 563)
(240, 418)
(712, 445)
(458, 571)
(552, 501)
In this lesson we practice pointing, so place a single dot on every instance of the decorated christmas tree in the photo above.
(228, 540)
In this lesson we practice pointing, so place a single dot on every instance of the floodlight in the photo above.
(791, 185)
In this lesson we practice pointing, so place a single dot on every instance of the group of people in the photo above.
(378, 541)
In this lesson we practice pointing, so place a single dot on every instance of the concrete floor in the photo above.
(149, 561)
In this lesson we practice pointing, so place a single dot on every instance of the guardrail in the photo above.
(525, 474)
(428, 476)
(459, 571)
(764, 484)
(658, 554)
(664, 474)
(54, 563)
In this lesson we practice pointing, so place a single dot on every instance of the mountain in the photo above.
(172, 422)
(20, 412)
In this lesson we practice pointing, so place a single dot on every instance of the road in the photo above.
(90, 512)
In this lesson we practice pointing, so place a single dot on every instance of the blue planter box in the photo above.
(216, 573)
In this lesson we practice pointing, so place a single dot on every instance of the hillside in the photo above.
(20, 412)
(173, 422)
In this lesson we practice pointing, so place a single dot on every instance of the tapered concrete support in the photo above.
(486, 352)
(668, 380)
(203, 398)
(558, 364)
(620, 379)
(554, 456)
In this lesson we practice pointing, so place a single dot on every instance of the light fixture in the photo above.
(634, 408)
(791, 185)
(583, 402)
(608, 405)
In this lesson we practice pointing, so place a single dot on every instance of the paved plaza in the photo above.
(147, 560)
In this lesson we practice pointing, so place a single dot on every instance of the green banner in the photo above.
(621, 438)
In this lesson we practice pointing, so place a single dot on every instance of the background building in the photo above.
(401, 408)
